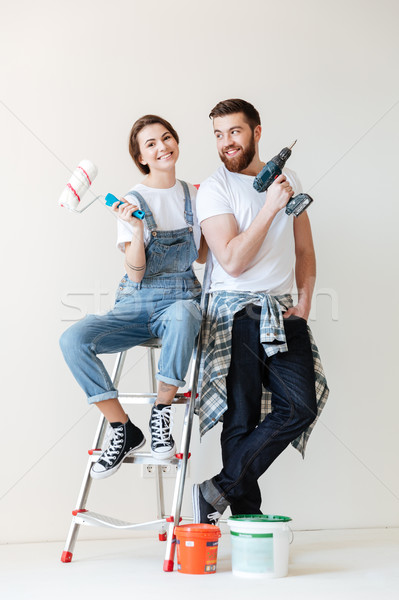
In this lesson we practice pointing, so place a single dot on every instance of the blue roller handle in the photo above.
(110, 200)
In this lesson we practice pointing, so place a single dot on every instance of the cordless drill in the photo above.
(297, 204)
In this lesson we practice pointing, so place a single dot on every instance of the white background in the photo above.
(74, 78)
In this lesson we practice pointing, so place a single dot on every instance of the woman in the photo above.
(158, 296)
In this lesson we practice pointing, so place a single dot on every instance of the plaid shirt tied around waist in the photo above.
(216, 353)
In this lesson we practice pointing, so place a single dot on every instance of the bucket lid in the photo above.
(259, 519)
(199, 529)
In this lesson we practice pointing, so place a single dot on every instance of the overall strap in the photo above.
(188, 210)
(149, 219)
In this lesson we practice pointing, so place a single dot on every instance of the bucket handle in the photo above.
(292, 534)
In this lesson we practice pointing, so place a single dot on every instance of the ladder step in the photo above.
(95, 519)
(141, 458)
(125, 398)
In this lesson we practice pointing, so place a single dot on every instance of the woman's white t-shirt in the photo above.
(167, 207)
(272, 269)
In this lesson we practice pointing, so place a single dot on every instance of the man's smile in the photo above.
(232, 151)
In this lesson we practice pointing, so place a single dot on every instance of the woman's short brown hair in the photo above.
(134, 149)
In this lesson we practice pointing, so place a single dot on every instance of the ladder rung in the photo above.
(126, 398)
(97, 520)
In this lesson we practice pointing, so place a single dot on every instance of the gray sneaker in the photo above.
(203, 512)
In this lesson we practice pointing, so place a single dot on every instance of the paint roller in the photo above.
(82, 178)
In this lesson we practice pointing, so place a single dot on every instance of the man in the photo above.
(255, 338)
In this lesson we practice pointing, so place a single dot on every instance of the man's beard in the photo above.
(242, 160)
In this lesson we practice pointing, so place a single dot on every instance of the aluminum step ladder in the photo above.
(165, 523)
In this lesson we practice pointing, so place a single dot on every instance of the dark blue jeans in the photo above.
(250, 447)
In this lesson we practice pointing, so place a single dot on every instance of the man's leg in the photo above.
(290, 378)
(244, 391)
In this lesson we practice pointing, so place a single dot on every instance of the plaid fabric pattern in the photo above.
(216, 352)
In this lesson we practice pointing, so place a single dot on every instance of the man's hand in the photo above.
(278, 194)
(299, 311)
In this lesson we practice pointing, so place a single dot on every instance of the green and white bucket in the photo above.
(260, 545)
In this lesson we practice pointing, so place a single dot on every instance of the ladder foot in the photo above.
(168, 565)
(66, 557)
(162, 536)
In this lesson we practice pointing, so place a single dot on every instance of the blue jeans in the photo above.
(250, 447)
(169, 311)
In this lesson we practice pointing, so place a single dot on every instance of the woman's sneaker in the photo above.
(162, 443)
(126, 439)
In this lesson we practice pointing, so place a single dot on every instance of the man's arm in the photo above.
(202, 251)
(235, 251)
(305, 267)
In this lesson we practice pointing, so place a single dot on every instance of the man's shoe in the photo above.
(162, 443)
(203, 512)
(127, 438)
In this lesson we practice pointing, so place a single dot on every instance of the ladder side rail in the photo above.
(87, 480)
(159, 488)
(102, 425)
(185, 445)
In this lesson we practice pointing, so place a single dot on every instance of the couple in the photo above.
(254, 337)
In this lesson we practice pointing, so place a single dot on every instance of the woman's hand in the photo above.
(125, 211)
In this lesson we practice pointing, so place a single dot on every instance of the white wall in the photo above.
(75, 75)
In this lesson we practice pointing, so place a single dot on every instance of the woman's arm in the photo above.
(135, 262)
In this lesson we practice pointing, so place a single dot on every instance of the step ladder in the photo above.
(165, 523)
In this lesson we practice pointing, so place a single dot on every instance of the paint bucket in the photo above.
(260, 545)
(197, 548)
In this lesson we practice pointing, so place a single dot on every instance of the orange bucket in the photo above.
(197, 548)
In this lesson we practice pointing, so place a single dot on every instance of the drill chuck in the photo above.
(282, 157)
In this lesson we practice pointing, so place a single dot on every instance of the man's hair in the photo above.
(134, 149)
(235, 105)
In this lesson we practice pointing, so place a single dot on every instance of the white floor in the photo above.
(355, 564)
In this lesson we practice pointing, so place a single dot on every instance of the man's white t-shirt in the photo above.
(167, 207)
(272, 269)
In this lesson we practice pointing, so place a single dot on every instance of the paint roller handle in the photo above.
(110, 200)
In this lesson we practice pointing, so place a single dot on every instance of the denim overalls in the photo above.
(165, 304)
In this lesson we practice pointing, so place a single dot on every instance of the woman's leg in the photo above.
(166, 392)
(98, 334)
(81, 344)
(112, 410)
(177, 326)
